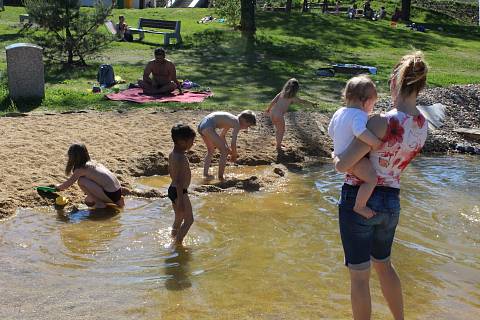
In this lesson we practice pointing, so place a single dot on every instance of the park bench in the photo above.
(24, 17)
(158, 24)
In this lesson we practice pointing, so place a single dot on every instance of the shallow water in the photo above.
(265, 255)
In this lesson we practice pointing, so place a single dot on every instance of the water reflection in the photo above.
(177, 269)
(88, 232)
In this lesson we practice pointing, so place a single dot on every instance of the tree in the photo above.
(406, 4)
(305, 6)
(228, 9)
(288, 6)
(247, 18)
(66, 31)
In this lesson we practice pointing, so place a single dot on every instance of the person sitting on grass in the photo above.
(279, 106)
(97, 182)
(395, 17)
(352, 11)
(381, 14)
(183, 137)
(164, 75)
(226, 121)
(123, 32)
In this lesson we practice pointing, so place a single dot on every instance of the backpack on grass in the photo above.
(105, 75)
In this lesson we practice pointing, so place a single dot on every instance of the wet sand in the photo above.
(131, 144)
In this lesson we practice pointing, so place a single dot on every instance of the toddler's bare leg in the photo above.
(187, 220)
(364, 170)
(220, 145)
(208, 158)
(279, 123)
(94, 192)
(178, 220)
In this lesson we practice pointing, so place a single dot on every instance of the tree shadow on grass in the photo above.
(339, 31)
(10, 37)
(260, 63)
(8, 105)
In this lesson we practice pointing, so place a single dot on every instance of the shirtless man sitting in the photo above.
(164, 74)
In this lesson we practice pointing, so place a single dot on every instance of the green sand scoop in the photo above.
(46, 189)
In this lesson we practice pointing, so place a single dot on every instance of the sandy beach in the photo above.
(131, 144)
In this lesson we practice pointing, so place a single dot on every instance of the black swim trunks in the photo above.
(172, 193)
(114, 196)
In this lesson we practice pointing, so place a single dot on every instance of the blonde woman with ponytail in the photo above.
(403, 131)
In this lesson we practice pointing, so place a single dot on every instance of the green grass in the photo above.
(245, 73)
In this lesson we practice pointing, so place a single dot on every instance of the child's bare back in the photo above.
(179, 169)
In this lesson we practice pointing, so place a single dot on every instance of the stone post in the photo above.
(25, 71)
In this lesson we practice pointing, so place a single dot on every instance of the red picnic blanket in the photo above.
(137, 95)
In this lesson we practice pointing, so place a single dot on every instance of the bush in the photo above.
(67, 31)
(230, 10)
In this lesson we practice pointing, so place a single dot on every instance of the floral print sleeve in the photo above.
(404, 139)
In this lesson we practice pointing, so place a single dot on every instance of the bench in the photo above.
(24, 17)
(274, 9)
(158, 24)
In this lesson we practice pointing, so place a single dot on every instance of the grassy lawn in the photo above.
(247, 74)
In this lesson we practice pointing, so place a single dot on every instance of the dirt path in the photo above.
(131, 144)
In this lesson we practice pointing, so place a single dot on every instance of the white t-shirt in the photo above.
(346, 124)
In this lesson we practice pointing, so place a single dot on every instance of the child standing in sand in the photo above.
(360, 95)
(96, 181)
(179, 170)
(279, 106)
(225, 121)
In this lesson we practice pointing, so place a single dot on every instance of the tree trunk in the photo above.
(406, 4)
(288, 6)
(305, 6)
(247, 19)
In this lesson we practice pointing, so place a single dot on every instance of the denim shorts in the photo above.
(365, 239)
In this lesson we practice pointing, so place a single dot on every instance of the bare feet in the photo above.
(365, 212)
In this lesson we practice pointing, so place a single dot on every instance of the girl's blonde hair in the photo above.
(77, 157)
(410, 74)
(359, 88)
(290, 88)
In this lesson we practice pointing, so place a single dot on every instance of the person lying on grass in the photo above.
(98, 183)
(279, 106)
(225, 121)
(164, 75)
(183, 137)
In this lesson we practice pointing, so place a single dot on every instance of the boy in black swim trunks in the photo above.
(179, 170)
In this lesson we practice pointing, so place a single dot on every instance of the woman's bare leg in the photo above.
(360, 294)
(391, 288)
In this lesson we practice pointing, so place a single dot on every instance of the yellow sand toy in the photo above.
(61, 201)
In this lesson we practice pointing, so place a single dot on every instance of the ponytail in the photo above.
(410, 74)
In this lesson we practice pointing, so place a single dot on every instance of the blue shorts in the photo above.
(365, 239)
